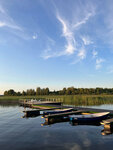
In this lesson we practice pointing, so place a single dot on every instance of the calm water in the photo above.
(18, 133)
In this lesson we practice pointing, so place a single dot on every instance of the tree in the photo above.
(18, 94)
(38, 91)
(47, 91)
(6, 93)
(31, 92)
(11, 92)
(24, 93)
(64, 91)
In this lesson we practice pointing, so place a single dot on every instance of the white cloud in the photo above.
(86, 40)
(2, 24)
(7, 21)
(70, 48)
(82, 53)
(99, 62)
(94, 53)
(83, 21)
(2, 10)
(34, 36)
(67, 32)
(75, 43)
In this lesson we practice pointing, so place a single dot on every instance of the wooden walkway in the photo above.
(60, 116)
(108, 121)
(30, 103)
(93, 109)
(63, 114)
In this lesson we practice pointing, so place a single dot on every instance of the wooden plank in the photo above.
(45, 108)
(40, 102)
(63, 114)
(107, 121)
(29, 113)
(94, 109)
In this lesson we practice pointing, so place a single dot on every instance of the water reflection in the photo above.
(86, 123)
(107, 131)
(55, 121)
(20, 134)
(9, 103)
(26, 115)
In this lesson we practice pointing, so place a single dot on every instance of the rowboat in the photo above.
(97, 117)
(58, 111)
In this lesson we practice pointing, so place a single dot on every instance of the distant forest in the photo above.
(64, 91)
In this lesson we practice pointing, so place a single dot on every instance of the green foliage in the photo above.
(64, 91)
(11, 92)
(77, 100)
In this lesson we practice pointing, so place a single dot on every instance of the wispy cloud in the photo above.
(7, 21)
(86, 40)
(82, 54)
(67, 32)
(94, 53)
(83, 21)
(75, 43)
(35, 36)
(99, 62)
(2, 10)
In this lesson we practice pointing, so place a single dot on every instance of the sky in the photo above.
(56, 44)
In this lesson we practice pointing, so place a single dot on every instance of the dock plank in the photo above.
(63, 114)
(107, 121)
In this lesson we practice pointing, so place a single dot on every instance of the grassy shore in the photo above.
(66, 99)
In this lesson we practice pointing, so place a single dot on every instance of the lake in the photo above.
(19, 133)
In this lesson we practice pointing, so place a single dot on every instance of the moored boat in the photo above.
(58, 111)
(97, 117)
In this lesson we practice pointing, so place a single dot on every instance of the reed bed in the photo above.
(78, 100)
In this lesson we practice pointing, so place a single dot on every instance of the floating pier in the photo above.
(31, 113)
(108, 123)
(29, 103)
(108, 126)
(60, 116)
(63, 117)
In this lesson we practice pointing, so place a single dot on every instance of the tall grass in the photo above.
(77, 100)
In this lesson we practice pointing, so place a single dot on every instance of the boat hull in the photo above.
(56, 112)
(88, 120)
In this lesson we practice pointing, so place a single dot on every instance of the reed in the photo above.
(78, 100)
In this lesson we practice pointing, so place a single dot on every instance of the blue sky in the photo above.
(56, 44)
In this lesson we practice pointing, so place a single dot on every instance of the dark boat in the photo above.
(58, 111)
(97, 117)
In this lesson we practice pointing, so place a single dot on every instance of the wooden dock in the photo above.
(108, 123)
(60, 116)
(86, 109)
(29, 103)
(108, 126)
(36, 112)
(31, 113)
(47, 107)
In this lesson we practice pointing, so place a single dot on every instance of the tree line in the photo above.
(64, 91)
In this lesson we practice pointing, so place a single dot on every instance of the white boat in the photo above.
(58, 111)
(96, 117)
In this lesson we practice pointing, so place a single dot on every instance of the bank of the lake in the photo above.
(77, 100)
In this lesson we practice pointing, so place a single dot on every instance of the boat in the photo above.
(58, 111)
(97, 117)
